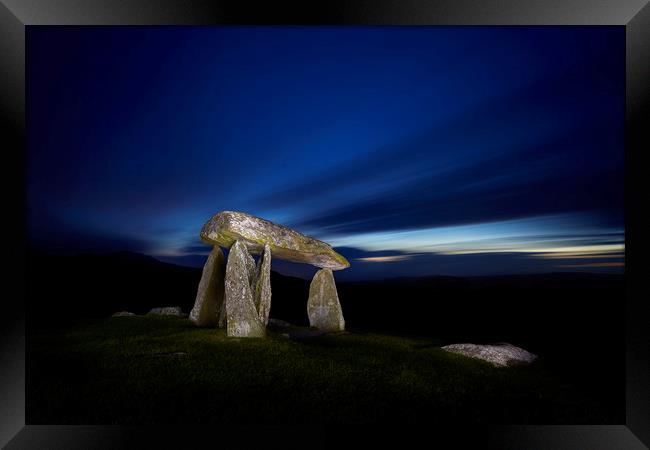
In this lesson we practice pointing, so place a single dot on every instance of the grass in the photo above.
(154, 369)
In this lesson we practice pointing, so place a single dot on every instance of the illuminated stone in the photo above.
(228, 226)
(501, 355)
(209, 305)
(242, 318)
(323, 306)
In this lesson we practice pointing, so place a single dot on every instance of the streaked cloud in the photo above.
(552, 236)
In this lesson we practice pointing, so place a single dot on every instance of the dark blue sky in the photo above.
(414, 150)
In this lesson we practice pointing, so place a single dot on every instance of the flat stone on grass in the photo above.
(500, 355)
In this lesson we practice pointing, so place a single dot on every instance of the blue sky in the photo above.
(414, 150)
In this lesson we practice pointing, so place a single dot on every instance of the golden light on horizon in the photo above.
(582, 252)
(572, 252)
(604, 264)
(580, 255)
(391, 258)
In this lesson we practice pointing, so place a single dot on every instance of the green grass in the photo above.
(125, 371)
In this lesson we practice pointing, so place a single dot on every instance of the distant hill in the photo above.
(66, 288)
(88, 285)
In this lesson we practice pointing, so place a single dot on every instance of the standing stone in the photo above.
(222, 322)
(242, 317)
(263, 285)
(251, 268)
(323, 306)
(208, 305)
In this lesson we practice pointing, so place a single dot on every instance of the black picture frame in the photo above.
(16, 15)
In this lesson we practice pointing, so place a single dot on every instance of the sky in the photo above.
(413, 151)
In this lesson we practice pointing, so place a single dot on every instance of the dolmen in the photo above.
(236, 294)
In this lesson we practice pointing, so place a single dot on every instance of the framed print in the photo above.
(268, 223)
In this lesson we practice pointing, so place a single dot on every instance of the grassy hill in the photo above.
(574, 322)
(152, 369)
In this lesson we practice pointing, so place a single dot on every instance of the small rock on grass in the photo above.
(167, 311)
(279, 323)
(122, 314)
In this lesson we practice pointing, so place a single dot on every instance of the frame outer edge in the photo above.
(342, 12)
(12, 328)
(637, 111)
